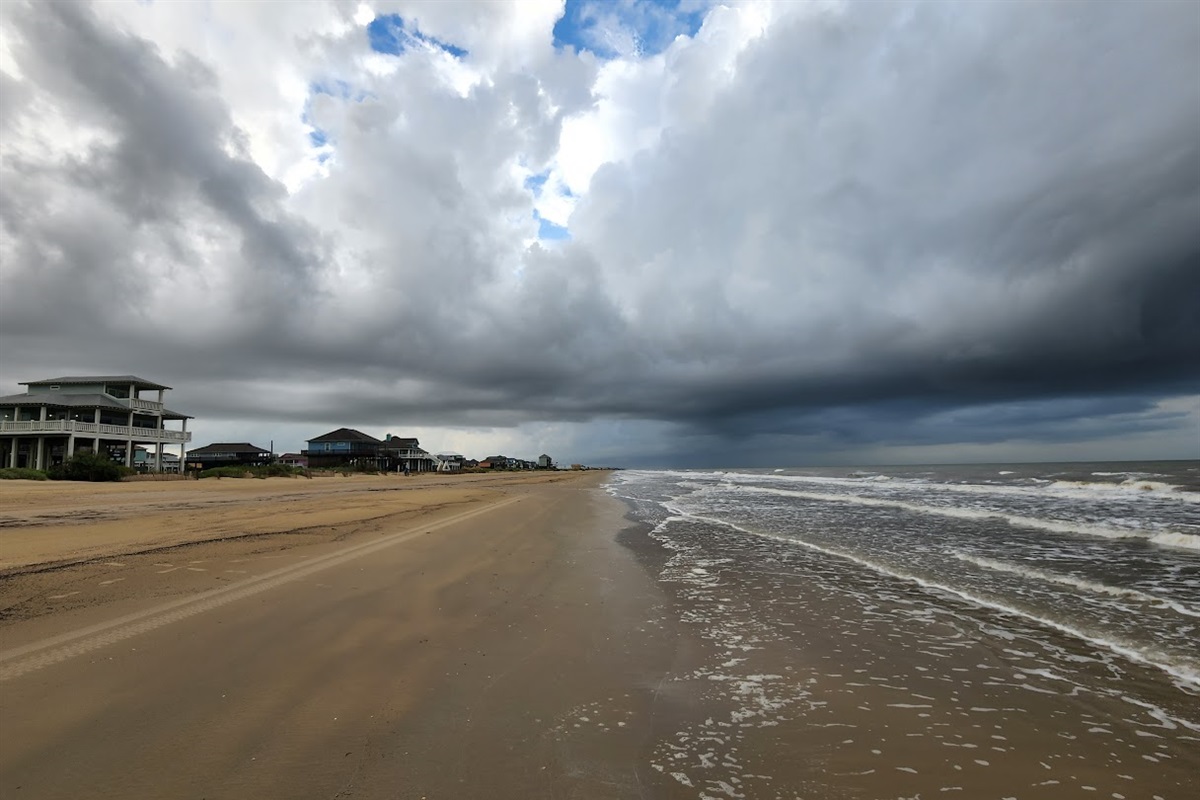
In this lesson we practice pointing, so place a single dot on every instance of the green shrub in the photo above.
(88, 467)
(281, 471)
(271, 471)
(21, 474)
(223, 472)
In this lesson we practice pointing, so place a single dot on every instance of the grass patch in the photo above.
(272, 471)
(21, 474)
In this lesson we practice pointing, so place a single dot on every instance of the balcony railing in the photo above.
(370, 453)
(68, 426)
(138, 404)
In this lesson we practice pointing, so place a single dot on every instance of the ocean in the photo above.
(1036, 625)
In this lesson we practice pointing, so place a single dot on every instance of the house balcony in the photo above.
(67, 427)
(149, 406)
(405, 454)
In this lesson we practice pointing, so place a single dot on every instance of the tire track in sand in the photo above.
(31, 657)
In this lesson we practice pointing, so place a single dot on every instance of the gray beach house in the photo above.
(112, 414)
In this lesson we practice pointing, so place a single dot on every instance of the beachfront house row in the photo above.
(228, 454)
(506, 462)
(113, 414)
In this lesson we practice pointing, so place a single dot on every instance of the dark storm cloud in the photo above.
(945, 204)
(891, 223)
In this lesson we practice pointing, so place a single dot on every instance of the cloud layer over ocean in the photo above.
(633, 232)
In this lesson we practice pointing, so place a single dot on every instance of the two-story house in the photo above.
(343, 447)
(228, 454)
(58, 417)
(399, 453)
(348, 447)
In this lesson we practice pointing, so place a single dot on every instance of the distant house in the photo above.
(544, 461)
(348, 447)
(293, 460)
(228, 454)
(485, 464)
(343, 447)
(449, 462)
(143, 461)
(399, 453)
(494, 462)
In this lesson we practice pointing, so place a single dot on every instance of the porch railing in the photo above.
(137, 404)
(70, 426)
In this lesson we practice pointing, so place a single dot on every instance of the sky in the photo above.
(622, 233)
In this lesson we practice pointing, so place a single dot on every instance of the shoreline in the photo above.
(818, 678)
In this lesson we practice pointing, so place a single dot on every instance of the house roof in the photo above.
(141, 383)
(76, 401)
(401, 443)
(345, 435)
(227, 447)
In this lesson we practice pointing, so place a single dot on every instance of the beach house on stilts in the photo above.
(59, 417)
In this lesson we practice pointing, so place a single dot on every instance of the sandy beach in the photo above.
(435, 637)
(506, 636)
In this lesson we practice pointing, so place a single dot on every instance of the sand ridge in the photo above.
(56, 523)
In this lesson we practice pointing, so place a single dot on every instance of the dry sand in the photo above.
(426, 655)
(47, 523)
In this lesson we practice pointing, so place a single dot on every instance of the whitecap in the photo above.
(1078, 583)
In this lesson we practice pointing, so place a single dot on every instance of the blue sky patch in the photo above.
(548, 230)
(391, 35)
(536, 182)
(333, 88)
(599, 27)
(387, 35)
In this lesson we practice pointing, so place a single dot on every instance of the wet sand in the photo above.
(817, 678)
(506, 637)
